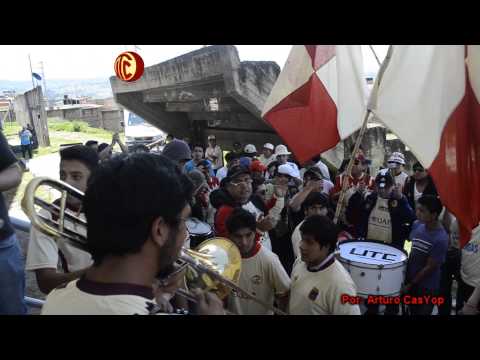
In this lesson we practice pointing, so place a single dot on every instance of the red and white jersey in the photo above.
(319, 292)
(84, 297)
(263, 276)
(45, 252)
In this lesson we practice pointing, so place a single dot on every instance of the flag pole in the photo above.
(348, 171)
(31, 71)
(375, 54)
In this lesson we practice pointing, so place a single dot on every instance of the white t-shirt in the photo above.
(416, 194)
(379, 222)
(327, 186)
(218, 163)
(470, 268)
(266, 161)
(222, 173)
(264, 237)
(296, 238)
(81, 297)
(263, 276)
(319, 292)
(401, 178)
(43, 250)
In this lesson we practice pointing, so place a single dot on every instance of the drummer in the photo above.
(383, 215)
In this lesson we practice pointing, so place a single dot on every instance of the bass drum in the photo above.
(375, 267)
(199, 232)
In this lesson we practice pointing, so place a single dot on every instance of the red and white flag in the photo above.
(429, 97)
(319, 98)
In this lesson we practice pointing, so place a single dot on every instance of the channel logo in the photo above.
(129, 66)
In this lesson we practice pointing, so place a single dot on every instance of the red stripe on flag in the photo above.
(456, 169)
(306, 120)
(320, 54)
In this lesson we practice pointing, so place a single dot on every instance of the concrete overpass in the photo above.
(207, 91)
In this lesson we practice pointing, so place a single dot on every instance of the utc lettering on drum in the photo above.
(373, 254)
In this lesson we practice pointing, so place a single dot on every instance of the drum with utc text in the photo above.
(375, 267)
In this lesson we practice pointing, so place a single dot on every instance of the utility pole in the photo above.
(44, 82)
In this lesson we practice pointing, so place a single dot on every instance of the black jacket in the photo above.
(401, 215)
(409, 190)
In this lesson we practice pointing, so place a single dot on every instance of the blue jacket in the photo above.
(401, 214)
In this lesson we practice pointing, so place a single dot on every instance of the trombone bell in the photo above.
(219, 255)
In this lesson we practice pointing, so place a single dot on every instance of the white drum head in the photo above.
(197, 227)
(371, 253)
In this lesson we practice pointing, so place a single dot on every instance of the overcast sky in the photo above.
(96, 61)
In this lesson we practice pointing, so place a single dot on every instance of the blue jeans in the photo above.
(12, 278)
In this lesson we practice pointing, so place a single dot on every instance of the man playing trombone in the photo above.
(136, 207)
(44, 252)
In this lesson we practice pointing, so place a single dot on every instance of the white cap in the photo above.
(250, 149)
(281, 150)
(288, 169)
(269, 146)
(397, 157)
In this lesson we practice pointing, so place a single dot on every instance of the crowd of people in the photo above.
(279, 214)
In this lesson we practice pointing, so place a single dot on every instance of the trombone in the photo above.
(214, 266)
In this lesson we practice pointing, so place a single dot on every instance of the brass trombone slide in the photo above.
(201, 261)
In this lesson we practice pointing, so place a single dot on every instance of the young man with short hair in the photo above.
(267, 156)
(396, 162)
(214, 153)
(420, 183)
(313, 181)
(92, 144)
(179, 152)
(44, 252)
(429, 249)
(26, 142)
(316, 203)
(262, 273)
(205, 167)
(318, 279)
(232, 159)
(133, 244)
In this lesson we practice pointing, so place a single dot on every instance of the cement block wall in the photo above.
(96, 117)
(29, 110)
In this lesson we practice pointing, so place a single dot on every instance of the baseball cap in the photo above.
(384, 179)
(177, 150)
(211, 137)
(397, 157)
(289, 170)
(269, 146)
(236, 171)
(250, 149)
